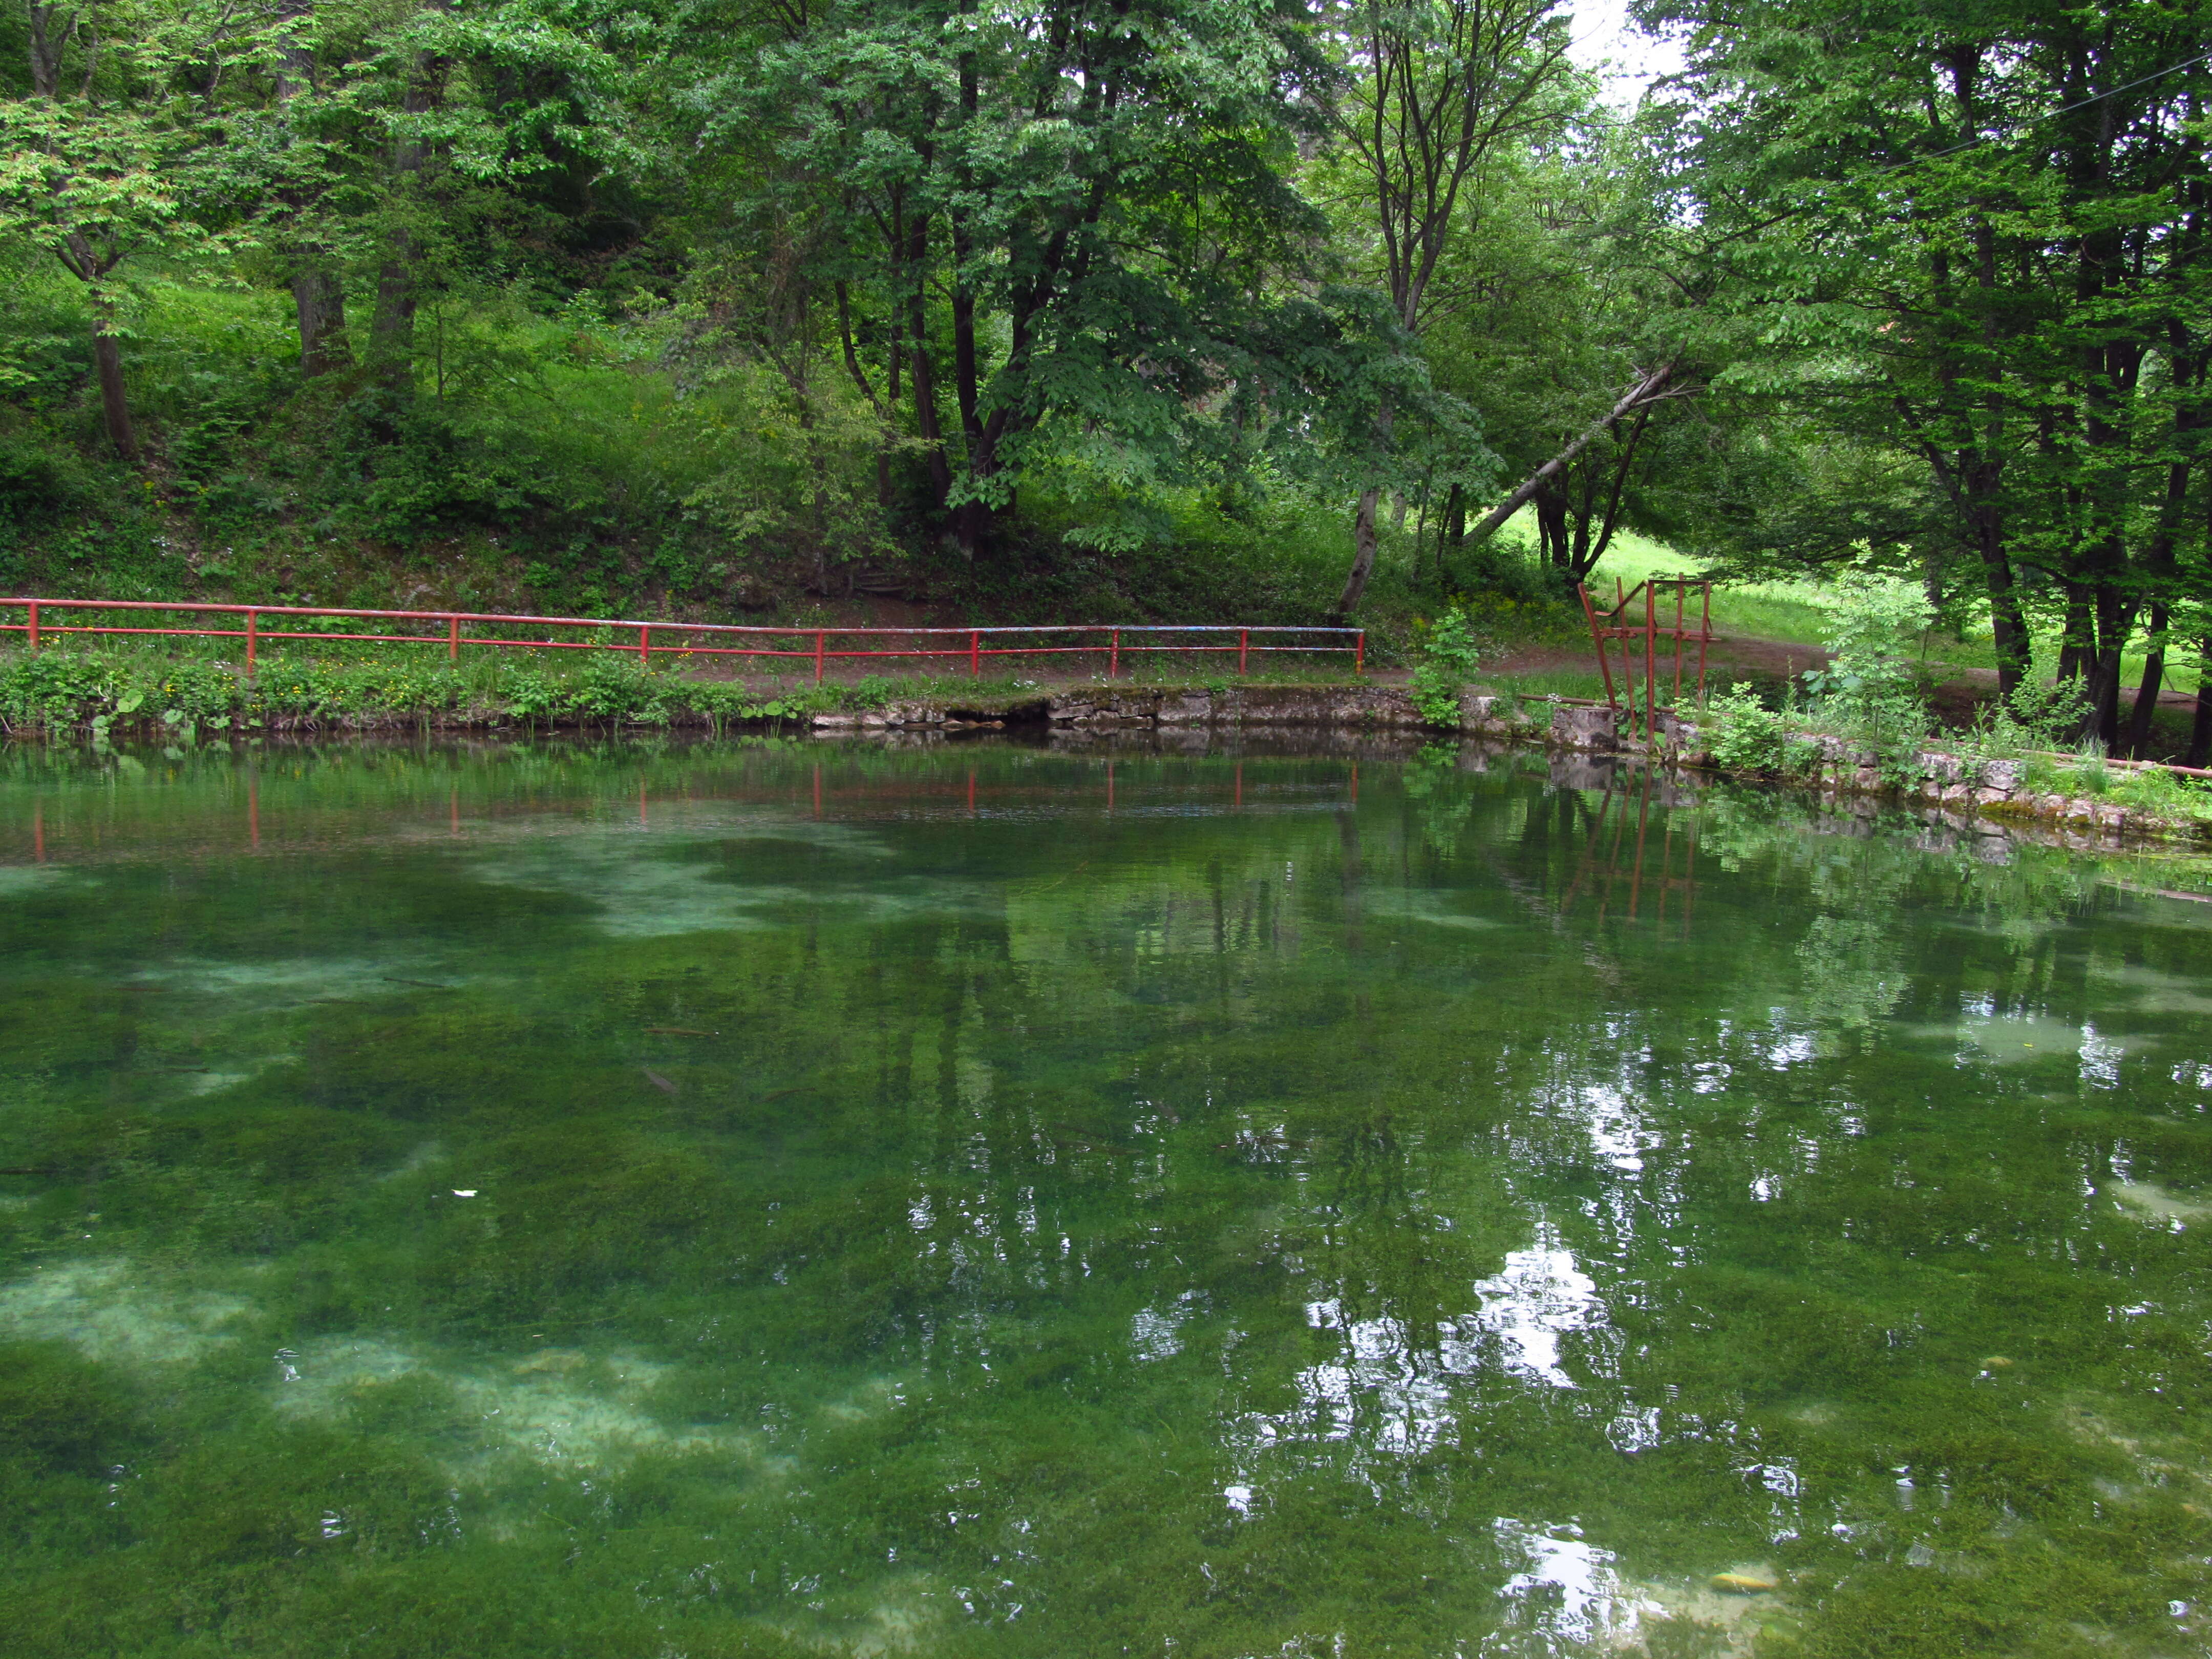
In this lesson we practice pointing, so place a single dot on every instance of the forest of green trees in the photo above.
(1160, 306)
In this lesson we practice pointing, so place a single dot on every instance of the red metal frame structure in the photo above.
(724, 640)
(1616, 623)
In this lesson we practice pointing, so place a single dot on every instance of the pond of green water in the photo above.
(675, 1202)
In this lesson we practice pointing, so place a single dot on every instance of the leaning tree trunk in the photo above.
(1362, 555)
(1647, 391)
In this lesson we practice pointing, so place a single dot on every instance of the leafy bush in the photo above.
(2039, 714)
(1869, 617)
(1748, 736)
(1445, 659)
(1868, 692)
(44, 688)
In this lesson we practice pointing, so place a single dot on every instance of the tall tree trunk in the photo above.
(318, 296)
(1551, 532)
(2007, 623)
(2146, 709)
(391, 330)
(319, 299)
(1364, 539)
(114, 401)
(928, 419)
(2200, 729)
(2114, 618)
(2076, 643)
(1452, 531)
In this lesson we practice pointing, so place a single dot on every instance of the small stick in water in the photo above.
(676, 1030)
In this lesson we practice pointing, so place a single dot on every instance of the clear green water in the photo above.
(599, 1202)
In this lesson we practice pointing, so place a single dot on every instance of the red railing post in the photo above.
(1650, 658)
(975, 655)
(819, 638)
(253, 630)
(1114, 657)
(33, 608)
(452, 638)
(1244, 647)
(1705, 639)
(1597, 639)
(1359, 652)
(644, 643)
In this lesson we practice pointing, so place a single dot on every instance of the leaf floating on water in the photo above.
(658, 1081)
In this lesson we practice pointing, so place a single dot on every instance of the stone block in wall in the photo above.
(2001, 774)
(1187, 709)
(1939, 768)
(1597, 730)
(1672, 733)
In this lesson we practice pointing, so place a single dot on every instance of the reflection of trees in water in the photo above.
(1854, 972)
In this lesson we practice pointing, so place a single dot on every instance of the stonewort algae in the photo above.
(766, 1199)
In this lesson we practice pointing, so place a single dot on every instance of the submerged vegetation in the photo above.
(767, 1202)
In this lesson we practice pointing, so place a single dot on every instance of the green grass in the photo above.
(1788, 612)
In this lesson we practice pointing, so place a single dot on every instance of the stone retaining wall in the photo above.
(1961, 790)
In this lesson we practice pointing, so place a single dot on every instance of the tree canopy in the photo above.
(895, 280)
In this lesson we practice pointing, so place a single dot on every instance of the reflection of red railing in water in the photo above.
(1611, 624)
(1666, 881)
(828, 797)
(970, 645)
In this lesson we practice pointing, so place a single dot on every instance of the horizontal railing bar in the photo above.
(201, 607)
(695, 651)
(784, 641)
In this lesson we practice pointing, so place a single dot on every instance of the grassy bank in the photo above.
(187, 694)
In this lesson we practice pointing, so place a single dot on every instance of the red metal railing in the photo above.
(645, 639)
(1617, 623)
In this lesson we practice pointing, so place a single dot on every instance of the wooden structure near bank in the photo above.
(1618, 622)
